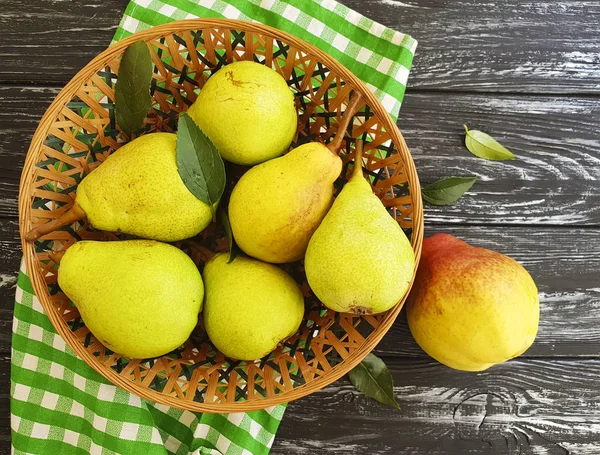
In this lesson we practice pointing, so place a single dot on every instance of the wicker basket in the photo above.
(78, 132)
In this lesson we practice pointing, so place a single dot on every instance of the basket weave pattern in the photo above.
(77, 134)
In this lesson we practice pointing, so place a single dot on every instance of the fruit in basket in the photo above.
(138, 191)
(140, 298)
(359, 259)
(48, 177)
(248, 111)
(470, 307)
(276, 206)
(250, 306)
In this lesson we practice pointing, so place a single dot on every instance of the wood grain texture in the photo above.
(503, 46)
(509, 46)
(520, 407)
(541, 209)
(564, 263)
(554, 180)
(48, 41)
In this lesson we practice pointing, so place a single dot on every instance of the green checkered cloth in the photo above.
(58, 403)
(378, 55)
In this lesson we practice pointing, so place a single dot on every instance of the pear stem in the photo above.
(75, 213)
(353, 107)
(358, 154)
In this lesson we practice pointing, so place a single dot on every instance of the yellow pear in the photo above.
(140, 298)
(276, 206)
(471, 308)
(247, 110)
(250, 306)
(138, 190)
(359, 259)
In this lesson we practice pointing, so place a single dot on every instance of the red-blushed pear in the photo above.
(471, 308)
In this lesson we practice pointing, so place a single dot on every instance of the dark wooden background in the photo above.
(528, 72)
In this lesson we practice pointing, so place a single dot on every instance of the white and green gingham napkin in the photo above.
(59, 405)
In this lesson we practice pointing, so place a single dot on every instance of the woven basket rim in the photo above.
(40, 288)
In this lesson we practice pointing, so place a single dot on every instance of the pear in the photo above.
(471, 308)
(140, 298)
(276, 206)
(359, 259)
(248, 111)
(138, 191)
(250, 306)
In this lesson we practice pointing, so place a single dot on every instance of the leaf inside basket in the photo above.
(196, 376)
(200, 166)
(132, 91)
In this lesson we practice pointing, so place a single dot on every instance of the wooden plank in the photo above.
(48, 41)
(10, 257)
(9, 193)
(523, 406)
(536, 406)
(508, 46)
(565, 265)
(563, 262)
(511, 46)
(554, 180)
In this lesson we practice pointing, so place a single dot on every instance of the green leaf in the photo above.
(199, 163)
(484, 146)
(448, 190)
(132, 91)
(373, 378)
(234, 250)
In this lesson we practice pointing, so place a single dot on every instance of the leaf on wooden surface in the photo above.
(373, 378)
(234, 249)
(132, 90)
(484, 146)
(200, 166)
(447, 190)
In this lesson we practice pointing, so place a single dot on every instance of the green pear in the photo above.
(140, 298)
(250, 306)
(247, 110)
(276, 206)
(359, 259)
(138, 190)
